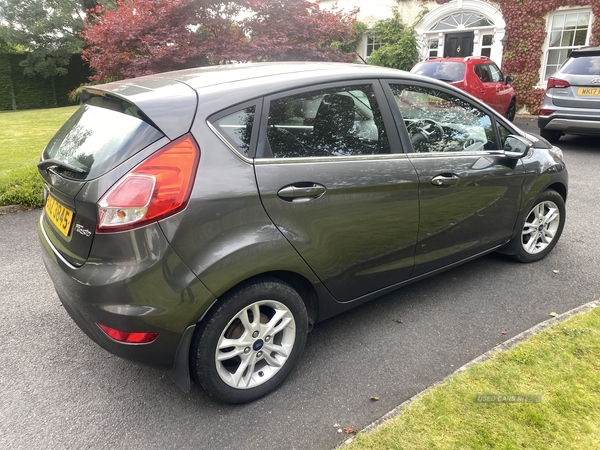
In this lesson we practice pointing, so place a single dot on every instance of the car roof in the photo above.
(585, 51)
(171, 99)
(457, 59)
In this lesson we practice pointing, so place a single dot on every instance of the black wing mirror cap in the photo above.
(516, 147)
(509, 79)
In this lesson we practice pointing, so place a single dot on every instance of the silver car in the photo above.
(204, 220)
(572, 101)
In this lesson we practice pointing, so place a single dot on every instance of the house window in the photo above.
(462, 20)
(568, 31)
(373, 44)
(433, 47)
(486, 44)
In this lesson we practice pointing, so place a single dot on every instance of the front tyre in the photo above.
(551, 136)
(511, 111)
(250, 341)
(541, 228)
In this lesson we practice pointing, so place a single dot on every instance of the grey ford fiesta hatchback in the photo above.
(204, 220)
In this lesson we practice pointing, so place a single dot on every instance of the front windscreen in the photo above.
(443, 70)
(98, 138)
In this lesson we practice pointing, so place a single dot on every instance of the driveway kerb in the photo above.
(507, 345)
(14, 208)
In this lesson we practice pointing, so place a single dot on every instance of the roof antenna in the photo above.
(355, 52)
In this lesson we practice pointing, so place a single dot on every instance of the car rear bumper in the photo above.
(151, 290)
(570, 125)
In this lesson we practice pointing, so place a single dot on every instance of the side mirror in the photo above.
(516, 147)
(509, 79)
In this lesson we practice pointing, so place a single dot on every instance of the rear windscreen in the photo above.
(583, 65)
(443, 70)
(99, 136)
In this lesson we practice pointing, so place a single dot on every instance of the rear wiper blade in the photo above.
(49, 163)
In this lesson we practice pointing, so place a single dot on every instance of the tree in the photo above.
(139, 37)
(281, 30)
(47, 30)
(400, 50)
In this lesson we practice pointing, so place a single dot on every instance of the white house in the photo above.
(477, 27)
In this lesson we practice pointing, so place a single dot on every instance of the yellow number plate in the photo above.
(59, 215)
(588, 91)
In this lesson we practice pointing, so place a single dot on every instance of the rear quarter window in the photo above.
(236, 128)
(99, 136)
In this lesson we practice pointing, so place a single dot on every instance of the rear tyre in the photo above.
(250, 341)
(551, 136)
(541, 228)
(512, 110)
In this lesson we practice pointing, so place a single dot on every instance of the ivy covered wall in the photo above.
(526, 22)
(19, 91)
(526, 32)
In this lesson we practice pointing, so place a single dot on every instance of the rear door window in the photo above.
(99, 136)
(340, 121)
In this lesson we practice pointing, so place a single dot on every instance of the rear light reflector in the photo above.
(546, 112)
(128, 337)
(557, 83)
(157, 188)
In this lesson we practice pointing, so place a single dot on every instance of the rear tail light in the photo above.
(157, 188)
(128, 337)
(557, 83)
(546, 112)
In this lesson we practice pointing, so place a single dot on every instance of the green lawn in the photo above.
(561, 364)
(23, 136)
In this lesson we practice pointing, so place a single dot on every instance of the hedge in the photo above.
(19, 91)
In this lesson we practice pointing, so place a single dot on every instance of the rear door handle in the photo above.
(445, 180)
(305, 191)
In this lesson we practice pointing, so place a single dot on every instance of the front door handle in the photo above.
(305, 191)
(445, 180)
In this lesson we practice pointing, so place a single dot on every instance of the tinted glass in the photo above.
(98, 139)
(445, 71)
(483, 73)
(342, 121)
(583, 65)
(236, 128)
(440, 122)
(495, 73)
(503, 131)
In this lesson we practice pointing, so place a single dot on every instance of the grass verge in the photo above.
(561, 364)
(23, 136)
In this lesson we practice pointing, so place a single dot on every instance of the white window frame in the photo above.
(565, 48)
(373, 45)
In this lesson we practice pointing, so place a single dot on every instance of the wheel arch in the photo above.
(510, 248)
(560, 188)
(180, 372)
(298, 282)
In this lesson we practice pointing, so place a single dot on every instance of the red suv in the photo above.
(477, 75)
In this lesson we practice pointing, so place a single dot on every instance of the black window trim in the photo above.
(263, 151)
(257, 103)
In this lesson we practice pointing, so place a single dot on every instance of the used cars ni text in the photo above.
(204, 220)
